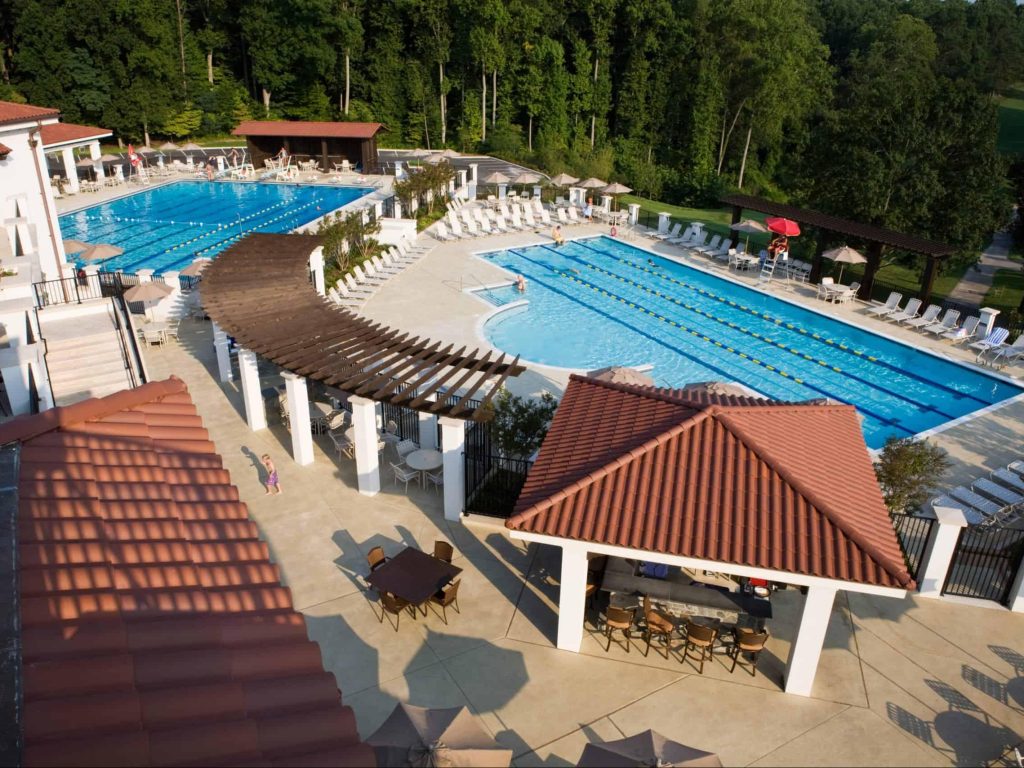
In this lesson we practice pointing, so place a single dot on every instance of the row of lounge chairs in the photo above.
(463, 221)
(992, 349)
(996, 499)
(356, 287)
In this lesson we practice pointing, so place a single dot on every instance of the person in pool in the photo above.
(521, 284)
(556, 235)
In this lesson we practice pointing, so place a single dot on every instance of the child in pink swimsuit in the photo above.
(273, 482)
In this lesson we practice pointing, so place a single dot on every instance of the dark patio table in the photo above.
(413, 575)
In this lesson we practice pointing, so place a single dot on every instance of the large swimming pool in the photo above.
(168, 227)
(598, 301)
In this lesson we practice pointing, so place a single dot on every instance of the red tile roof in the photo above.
(154, 628)
(20, 113)
(5, 150)
(781, 486)
(61, 133)
(295, 128)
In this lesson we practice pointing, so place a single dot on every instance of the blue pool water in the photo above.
(166, 228)
(597, 302)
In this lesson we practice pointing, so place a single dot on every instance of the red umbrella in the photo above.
(782, 226)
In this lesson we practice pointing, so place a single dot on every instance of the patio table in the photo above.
(413, 575)
(424, 460)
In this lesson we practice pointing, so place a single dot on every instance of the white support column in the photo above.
(364, 421)
(572, 596)
(428, 431)
(68, 156)
(298, 418)
(316, 269)
(16, 383)
(474, 173)
(221, 345)
(988, 321)
(634, 213)
(463, 178)
(940, 550)
(453, 442)
(249, 375)
(398, 208)
(502, 191)
(95, 153)
(378, 210)
(806, 649)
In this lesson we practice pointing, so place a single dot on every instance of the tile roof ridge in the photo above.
(592, 477)
(28, 426)
(725, 417)
(662, 394)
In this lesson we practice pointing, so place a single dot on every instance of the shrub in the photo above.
(907, 469)
(518, 425)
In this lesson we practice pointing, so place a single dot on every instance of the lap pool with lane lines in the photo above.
(166, 228)
(598, 301)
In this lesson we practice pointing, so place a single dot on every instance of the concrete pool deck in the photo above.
(431, 298)
(901, 682)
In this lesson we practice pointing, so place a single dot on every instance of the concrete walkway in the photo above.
(978, 279)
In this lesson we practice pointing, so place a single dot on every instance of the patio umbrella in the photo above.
(563, 180)
(196, 267)
(106, 158)
(448, 154)
(844, 255)
(496, 178)
(644, 749)
(434, 159)
(749, 226)
(781, 226)
(615, 190)
(87, 164)
(101, 252)
(193, 147)
(146, 151)
(421, 737)
(169, 145)
(621, 374)
(147, 294)
(75, 246)
(592, 183)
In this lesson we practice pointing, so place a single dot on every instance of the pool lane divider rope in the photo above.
(696, 334)
(780, 322)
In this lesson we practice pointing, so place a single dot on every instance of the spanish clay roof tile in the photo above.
(154, 627)
(743, 480)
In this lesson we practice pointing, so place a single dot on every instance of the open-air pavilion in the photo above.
(65, 138)
(267, 292)
(725, 484)
(328, 143)
(832, 228)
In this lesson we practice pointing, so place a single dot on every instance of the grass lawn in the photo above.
(1011, 122)
(897, 277)
(1006, 292)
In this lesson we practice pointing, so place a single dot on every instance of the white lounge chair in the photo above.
(930, 316)
(965, 332)
(1010, 353)
(972, 515)
(710, 247)
(365, 273)
(945, 325)
(545, 218)
(574, 217)
(688, 234)
(441, 232)
(385, 269)
(909, 312)
(995, 339)
(357, 288)
(891, 305)
(1000, 493)
(673, 232)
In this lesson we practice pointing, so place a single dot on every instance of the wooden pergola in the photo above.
(259, 292)
(828, 226)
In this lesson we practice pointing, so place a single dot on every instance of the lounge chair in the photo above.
(686, 237)
(891, 305)
(996, 491)
(996, 339)
(1008, 478)
(1008, 354)
(972, 515)
(459, 232)
(441, 232)
(545, 218)
(710, 247)
(980, 503)
(528, 218)
(384, 269)
(930, 316)
(909, 312)
(673, 232)
(517, 220)
(965, 332)
(947, 324)
(357, 288)
(722, 254)
(562, 217)
(697, 242)
(366, 274)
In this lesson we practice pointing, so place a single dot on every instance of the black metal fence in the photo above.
(493, 482)
(406, 420)
(75, 290)
(985, 563)
(913, 534)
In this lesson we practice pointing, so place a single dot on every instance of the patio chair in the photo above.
(844, 295)
(545, 218)
(618, 619)
(441, 232)
(995, 339)
(447, 596)
(443, 551)
(710, 247)
(391, 433)
(682, 239)
(365, 274)
(965, 332)
(909, 312)
(656, 625)
(701, 640)
(435, 478)
(153, 337)
(672, 232)
(341, 444)
(391, 604)
(376, 558)
(403, 474)
(382, 268)
(945, 325)
(749, 643)
(891, 305)
(928, 317)
(405, 447)
(996, 491)
(826, 287)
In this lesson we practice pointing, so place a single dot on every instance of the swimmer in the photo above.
(521, 284)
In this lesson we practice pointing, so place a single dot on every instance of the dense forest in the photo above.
(882, 110)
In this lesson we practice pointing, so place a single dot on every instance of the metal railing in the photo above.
(493, 483)
(131, 355)
(985, 563)
(75, 290)
(913, 534)
(33, 392)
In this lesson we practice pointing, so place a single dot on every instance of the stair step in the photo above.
(64, 375)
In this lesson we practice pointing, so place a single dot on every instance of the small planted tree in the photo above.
(518, 425)
(347, 240)
(907, 469)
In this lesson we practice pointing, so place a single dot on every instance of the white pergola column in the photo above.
(95, 154)
(453, 442)
(428, 431)
(810, 637)
(941, 547)
(298, 418)
(316, 269)
(68, 156)
(663, 220)
(364, 422)
(221, 345)
(572, 596)
(988, 321)
(249, 375)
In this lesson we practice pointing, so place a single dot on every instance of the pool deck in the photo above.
(431, 299)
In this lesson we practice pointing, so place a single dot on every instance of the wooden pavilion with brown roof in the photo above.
(736, 485)
(326, 142)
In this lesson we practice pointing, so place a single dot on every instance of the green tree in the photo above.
(907, 470)
(517, 425)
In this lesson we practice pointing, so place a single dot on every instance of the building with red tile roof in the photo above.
(742, 485)
(154, 629)
(327, 142)
(11, 112)
(59, 135)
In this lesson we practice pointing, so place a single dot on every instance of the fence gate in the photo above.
(913, 532)
(985, 563)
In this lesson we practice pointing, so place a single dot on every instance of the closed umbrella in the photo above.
(844, 255)
(423, 738)
(196, 267)
(645, 749)
(749, 226)
(621, 374)
(563, 180)
(75, 246)
(781, 226)
(101, 252)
